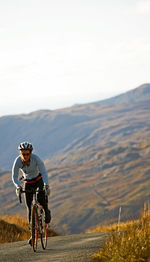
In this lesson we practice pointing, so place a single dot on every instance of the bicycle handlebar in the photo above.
(30, 191)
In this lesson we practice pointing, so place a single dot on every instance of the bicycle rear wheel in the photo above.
(34, 228)
(43, 232)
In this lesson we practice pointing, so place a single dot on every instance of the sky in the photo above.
(54, 54)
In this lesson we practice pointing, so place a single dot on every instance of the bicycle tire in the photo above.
(34, 228)
(43, 232)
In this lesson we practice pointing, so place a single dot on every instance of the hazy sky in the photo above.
(56, 53)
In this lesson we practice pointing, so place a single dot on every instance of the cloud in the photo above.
(143, 7)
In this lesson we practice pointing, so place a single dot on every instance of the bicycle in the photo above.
(38, 225)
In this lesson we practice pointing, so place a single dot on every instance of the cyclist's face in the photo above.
(25, 155)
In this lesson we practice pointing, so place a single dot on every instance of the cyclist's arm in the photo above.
(42, 170)
(15, 172)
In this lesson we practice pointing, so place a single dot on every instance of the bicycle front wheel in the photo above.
(34, 228)
(43, 233)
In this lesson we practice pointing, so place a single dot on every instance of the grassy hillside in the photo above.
(15, 228)
(100, 160)
(90, 193)
(130, 244)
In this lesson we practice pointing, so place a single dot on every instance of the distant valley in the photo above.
(97, 157)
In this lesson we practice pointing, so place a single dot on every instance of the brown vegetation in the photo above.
(15, 228)
(100, 160)
(130, 244)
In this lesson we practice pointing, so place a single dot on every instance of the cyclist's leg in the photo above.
(28, 200)
(43, 200)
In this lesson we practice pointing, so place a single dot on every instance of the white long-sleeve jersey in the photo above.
(30, 171)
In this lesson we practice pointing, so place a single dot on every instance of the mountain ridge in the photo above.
(136, 92)
(58, 128)
(131, 96)
(97, 158)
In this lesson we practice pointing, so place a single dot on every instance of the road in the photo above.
(71, 248)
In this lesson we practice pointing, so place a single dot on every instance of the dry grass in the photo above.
(114, 227)
(15, 228)
(130, 245)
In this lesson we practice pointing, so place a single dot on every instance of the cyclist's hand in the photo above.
(47, 189)
(18, 190)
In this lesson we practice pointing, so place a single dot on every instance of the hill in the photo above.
(141, 93)
(15, 228)
(97, 157)
(130, 244)
(59, 131)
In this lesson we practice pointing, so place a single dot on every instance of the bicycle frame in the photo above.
(38, 226)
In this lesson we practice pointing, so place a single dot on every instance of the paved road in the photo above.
(72, 248)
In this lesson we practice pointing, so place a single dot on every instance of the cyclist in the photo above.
(34, 176)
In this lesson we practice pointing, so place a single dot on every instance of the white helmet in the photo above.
(25, 146)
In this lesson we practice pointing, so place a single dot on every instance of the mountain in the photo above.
(97, 157)
(141, 93)
(58, 131)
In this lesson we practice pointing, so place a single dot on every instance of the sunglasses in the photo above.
(28, 154)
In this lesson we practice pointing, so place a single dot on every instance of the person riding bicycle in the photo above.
(34, 176)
